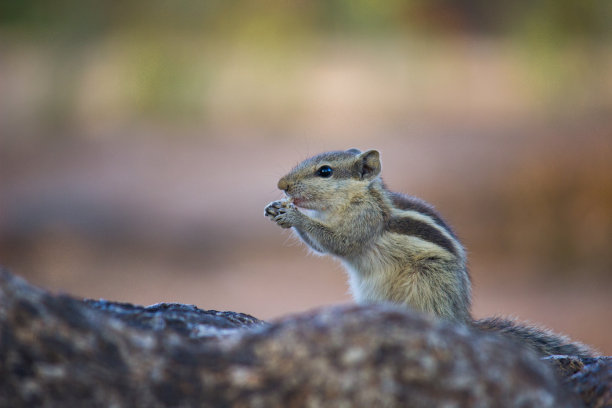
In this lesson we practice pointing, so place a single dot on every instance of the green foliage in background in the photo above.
(87, 20)
(161, 57)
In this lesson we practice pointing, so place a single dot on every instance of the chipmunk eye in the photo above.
(324, 171)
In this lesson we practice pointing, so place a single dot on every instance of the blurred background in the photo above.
(141, 140)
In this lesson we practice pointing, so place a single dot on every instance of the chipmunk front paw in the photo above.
(282, 212)
(272, 209)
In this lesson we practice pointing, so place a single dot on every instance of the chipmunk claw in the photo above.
(284, 219)
(282, 212)
(276, 207)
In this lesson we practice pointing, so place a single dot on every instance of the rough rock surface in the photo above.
(594, 383)
(182, 319)
(60, 351)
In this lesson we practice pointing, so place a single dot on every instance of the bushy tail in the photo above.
(543, 341)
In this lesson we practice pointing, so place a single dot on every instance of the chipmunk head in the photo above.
(331, 179)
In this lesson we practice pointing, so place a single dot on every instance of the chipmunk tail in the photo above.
(543, 341)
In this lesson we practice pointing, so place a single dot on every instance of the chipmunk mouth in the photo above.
(297, 201)
(300, 202)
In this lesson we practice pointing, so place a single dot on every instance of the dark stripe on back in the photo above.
(420, 229)
(404, 202)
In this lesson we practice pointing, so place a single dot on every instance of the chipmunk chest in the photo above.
(371, 281)
(382, 262)
(319, 215)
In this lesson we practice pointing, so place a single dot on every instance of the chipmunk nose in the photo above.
(283, 184)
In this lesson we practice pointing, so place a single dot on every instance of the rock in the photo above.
(591, 378)
(175, 317)
(594, 383)
(60, 351)
(566, 365)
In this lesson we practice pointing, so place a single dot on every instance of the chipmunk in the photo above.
(395, 248)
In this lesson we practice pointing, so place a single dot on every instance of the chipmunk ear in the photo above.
(354, 151)
(368, 164)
